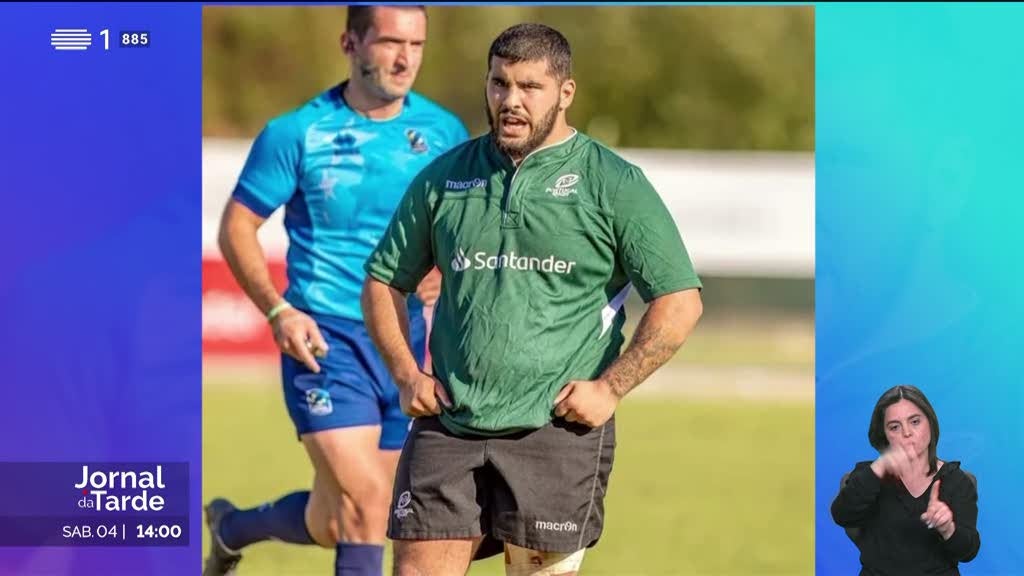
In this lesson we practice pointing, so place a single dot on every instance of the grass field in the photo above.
(699, 487)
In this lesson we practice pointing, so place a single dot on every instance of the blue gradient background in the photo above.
(101, 291)
(919, 274)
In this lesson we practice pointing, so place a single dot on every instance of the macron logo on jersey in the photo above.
(465, 184)
(510, 261)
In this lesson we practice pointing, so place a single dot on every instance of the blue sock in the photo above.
(359, 559)
(283, 520)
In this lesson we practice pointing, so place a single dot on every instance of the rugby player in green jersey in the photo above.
(540, 232)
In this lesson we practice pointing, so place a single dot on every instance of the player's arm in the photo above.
(268, 180)
(387, 321)
(399, 263)
(663, 329)
(656, 262)
(239, 243)
(296, 333)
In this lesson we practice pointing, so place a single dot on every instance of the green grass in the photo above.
(784, 345)
(769, 341)
(710, 488)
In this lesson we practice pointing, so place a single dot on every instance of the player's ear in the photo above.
(568, 91)
(348, 43)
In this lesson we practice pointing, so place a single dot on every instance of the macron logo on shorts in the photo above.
(556, 526)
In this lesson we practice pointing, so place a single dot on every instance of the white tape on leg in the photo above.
(525, 562)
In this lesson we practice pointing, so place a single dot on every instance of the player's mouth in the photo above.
(513, 126)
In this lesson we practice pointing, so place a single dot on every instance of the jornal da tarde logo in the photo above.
(137, 490)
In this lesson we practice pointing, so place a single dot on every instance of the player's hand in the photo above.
(893, 462)
(429, 288)
(422, 396)
(938, 515)
(589, 402)
(298, 336)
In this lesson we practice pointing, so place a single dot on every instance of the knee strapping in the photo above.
(525, 562)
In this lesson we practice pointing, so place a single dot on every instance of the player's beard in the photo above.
(517, 150)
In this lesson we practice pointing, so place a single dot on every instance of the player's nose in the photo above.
(513, 100)
(402, 58)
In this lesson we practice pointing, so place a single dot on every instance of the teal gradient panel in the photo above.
(920, 276)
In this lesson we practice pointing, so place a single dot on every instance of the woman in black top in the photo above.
(908, 512)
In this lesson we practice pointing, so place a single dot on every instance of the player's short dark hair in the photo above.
(360, 18)
(876, 430)
(533, 42)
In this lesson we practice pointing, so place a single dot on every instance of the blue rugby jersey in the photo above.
(340, 177)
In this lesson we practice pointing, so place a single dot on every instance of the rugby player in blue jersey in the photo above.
(339, 165)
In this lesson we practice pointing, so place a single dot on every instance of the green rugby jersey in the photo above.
(536, 264)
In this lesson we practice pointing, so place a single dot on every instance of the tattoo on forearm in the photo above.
(653, 344)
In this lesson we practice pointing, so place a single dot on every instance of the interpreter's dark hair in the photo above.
(531, 43)
(876, 430)
(360, 18)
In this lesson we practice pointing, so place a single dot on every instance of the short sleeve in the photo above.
(404, 254)
(650, 249)
(271, 173)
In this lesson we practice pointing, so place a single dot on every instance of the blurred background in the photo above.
(714, 469)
